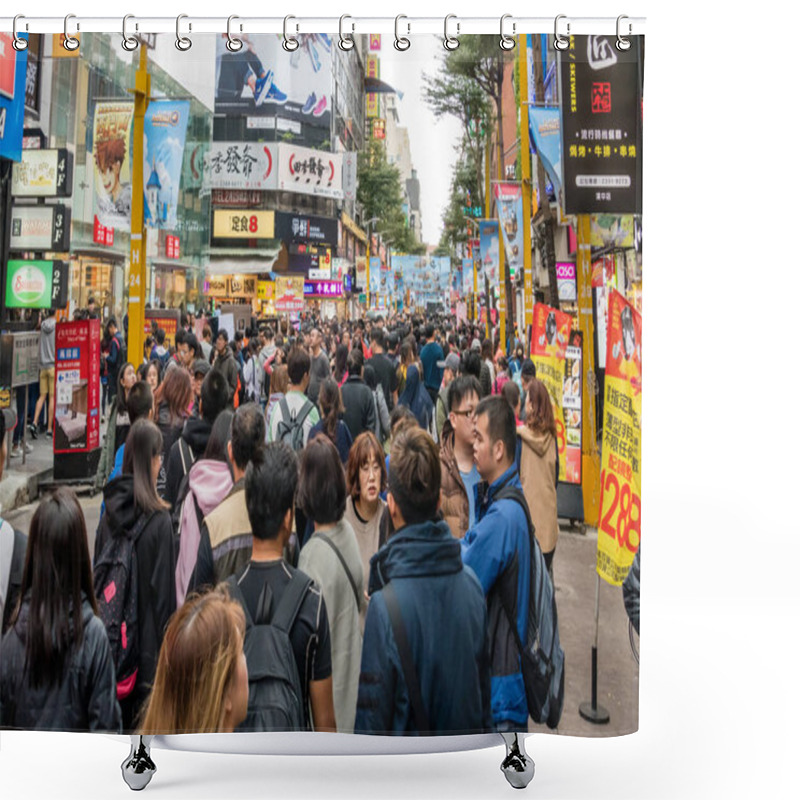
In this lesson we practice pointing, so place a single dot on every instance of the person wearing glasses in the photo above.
(459, 473)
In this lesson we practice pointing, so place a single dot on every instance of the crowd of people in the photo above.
(302, 528)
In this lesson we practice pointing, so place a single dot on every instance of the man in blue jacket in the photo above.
(497, 548)
(425, 659)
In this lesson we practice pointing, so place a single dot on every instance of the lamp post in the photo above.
(475, 306)
(367, 225)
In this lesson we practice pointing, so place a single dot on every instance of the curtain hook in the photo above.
(70, 43)
(401, 43)
(345, 42)
(451, 42)
(560, 42)
(19, 43)
(507, 42)
(289, 42)
(183, 43)
(129, 43)
(233, 44)
(623, 43)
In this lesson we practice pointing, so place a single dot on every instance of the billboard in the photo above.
(37, 284)
(306, 171)
(111, 142)
(241, 165)
(42, 173)
(13, 75)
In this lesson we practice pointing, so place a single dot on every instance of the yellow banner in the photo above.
(619, 529)
(244, 224)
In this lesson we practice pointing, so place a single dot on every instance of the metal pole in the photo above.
(525, 160)
(592, 712)
(25, 425)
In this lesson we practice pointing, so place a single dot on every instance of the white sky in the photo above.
(432, 141)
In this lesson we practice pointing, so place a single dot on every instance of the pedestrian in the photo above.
(294, 415)
(253, 374)
(416, 398)
(278, 374)
(320, 367)
(47, 371)
(383, 426)
(118, 425)
(207, 484)
(226, 538)
(200, 368)
(150, 371)
(332, 560)
(359, 404)
(270, 487)
(192, 443)
(487, 368)
(385, 371)
(56, 668)
(201, 678)
(131, 503)
(364, 509)
(510, 393)
(161, 351)
(451, 367)
(501, 371)
(427, 617)
(459, 473)
(527, 374)
(498, 549)
(340, 366)
(172, 401)
(538, 468)
(205, 344)
(225, 364)
(113, 359)
(331, 424)
(430, 356)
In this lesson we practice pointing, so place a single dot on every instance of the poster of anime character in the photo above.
(111, 143)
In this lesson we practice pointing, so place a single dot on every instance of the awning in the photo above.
(377, 86)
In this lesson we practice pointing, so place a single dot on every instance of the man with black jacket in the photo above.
(196, 431)
(359, 404)
(225, 364)
(385, 371)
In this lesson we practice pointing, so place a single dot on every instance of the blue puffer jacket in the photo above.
(445, 617)
(499, 541)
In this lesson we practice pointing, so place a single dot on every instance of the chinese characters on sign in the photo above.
(244, 224)
(308, 171)
(173, 246)
(322, 289)
(241, 165)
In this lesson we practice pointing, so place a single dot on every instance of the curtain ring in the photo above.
(289, 43)
(507, 42)
(70, 43)
(129, 43)
(19, 43)
(345, 42)
(451, 42)
(233, 44)
(560, 42)
(623, 44)
(401, 43)
(183, 43)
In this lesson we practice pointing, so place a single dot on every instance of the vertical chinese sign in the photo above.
(551, 332)
(621, 477)
(572, 407)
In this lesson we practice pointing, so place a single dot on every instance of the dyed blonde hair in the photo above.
(196, 666)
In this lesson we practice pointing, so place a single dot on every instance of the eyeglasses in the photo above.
(371, 469)
(469, 413)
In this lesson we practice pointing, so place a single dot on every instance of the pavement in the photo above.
(576, 592)
(20, 482)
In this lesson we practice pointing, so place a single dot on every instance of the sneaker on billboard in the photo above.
(263, 85)
(275, 95)
(324, 40)
(319, 109)
(314, 56)
(310, 103)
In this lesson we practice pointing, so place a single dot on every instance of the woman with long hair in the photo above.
(56, 670)
(340, 364)
(332, 559)
(118, 424)
(150, 371)
(538, 468)
(278, 386)
(171, 401)
(331, 423)
(201, 682)
(132, 502)
(416, 398)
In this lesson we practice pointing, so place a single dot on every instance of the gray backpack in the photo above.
(275, 697)
(290, 426)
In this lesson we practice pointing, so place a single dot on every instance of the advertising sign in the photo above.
(38, 228)
(572, 407)
(165, 125)
(609, 230)
(490, 249)
(244, 224)
(289, 293)
(619, 530)
(325, 289)
(361, 272)
(77, 409)
(468, 277)
(43, 173)
(306, 171)
(551, 331)
(37, 284)
(19, 358)
(300, 228)
(111, 140)
(545, 129)
(13, 75)
(509, 210)
(266, 290)
(242, 165)
(166, 319)
(262, 79)
(567, 281)
(373, 99)
(601, 102)
(349, 174)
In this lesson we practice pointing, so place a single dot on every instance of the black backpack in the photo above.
(275, 698)
(290, 427)
(116, 582)
(542, 658)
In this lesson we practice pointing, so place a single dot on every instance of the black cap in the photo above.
(528, 369)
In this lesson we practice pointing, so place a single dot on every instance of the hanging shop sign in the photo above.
(545, 129)
(361, 272)
(244, 224)
(13, 75)
(509, 211)
(373, 70)
(218, 287)
(619, 530)
(43, 173)
(601, 102)
(304, 258)
(306, 171)
(111, 143)
(301, 228)
(325, 289)
(567, 281)
(101, 234)
(610, 230)
(37, 228)
(242, 286)
(266, 290)
(289, 293)
(236, 198)
(572, 407)
(37, 284)
(173, 247)
(551, 331)
(490, 249)
(242, 165)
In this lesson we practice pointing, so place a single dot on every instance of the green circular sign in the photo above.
(29, 285)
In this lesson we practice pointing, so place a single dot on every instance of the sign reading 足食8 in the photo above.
(244, 224)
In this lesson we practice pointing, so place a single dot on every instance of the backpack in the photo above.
(275, 692)
(542, 659)
(290, 427)
(116, 581)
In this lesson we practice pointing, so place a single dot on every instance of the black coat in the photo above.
(84, 700)
(196, 433)
(156, 571)
(359, 406)
(226, 364)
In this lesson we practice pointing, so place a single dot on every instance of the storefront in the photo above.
(101, 275)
